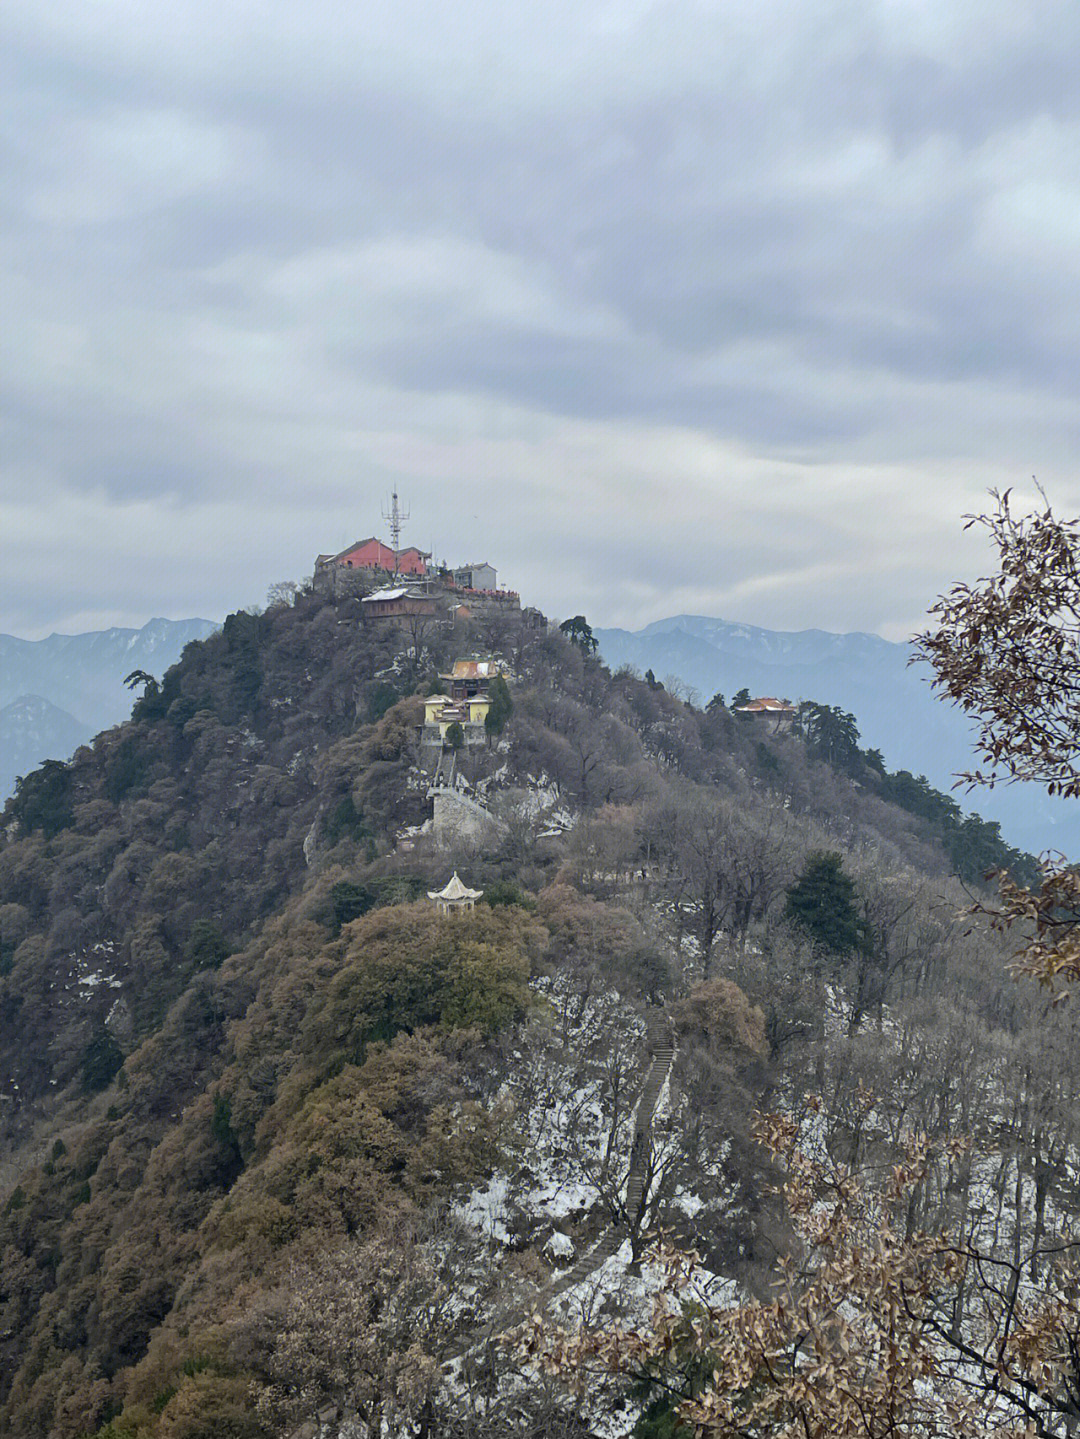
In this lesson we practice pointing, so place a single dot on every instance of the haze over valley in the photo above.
(894, 705)
(57, 693)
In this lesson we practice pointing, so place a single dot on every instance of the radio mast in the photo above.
(395, 517)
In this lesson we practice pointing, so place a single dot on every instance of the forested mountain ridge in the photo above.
(288, 1139)
(82, 676)
(31, 730)
(873, 678)
(84, 673)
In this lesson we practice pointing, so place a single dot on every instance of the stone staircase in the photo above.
(662, 1044)
(607, 1245)
(443, 778)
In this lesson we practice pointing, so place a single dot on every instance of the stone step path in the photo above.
(607, 1245)
(444, 770)
(663, 1045)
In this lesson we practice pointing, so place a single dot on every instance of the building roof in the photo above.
(450, 708)
(399, 592)
(473, 669)
(767, 705)
(362, 544)
(455, 890)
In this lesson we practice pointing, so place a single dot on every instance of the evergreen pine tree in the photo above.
(502, 706)
(822, 901)
(455, 735)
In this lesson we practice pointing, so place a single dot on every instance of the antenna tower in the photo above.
(395, 517)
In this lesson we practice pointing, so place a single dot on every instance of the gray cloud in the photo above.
(788, 285)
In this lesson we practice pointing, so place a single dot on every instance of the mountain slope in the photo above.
(281, 1139)
(892, 702)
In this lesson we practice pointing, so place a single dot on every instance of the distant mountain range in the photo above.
(896, 710)
(57, 693)
(32, 729)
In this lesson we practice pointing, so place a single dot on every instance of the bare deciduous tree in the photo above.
(857, 1339)
(1006, 650)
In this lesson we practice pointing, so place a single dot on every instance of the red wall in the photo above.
(411, 562)
(371, 554)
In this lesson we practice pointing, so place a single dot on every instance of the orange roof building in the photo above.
(766, 709)
(767, 705)
(471, 677)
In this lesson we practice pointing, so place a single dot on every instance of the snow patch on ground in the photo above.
(560, 1247)
(542, 803)
(92, 968)
(573, 1145)
(486, 1210)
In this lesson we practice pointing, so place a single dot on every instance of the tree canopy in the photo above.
(831, 733)
(579, 632)
(501, 706)
(1006, 650)
(822, 902)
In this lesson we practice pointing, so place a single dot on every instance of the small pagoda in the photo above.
(455, 897)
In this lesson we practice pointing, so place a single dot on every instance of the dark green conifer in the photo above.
(502, 706)
(822, 902)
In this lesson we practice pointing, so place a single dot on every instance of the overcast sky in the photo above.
(698, 305)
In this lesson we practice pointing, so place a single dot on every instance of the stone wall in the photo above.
(338, 581)
(498, 602)
(460, 820)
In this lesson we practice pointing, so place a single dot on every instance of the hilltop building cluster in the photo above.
(456, 720)
(396, 582)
